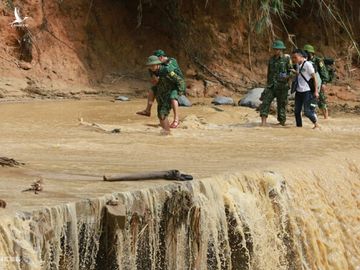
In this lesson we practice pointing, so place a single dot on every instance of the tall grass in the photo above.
(270, 8)
(332, 12)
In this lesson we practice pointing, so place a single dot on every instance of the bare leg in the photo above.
(150, 101)
(175, 107)
(263, 121)
(325, 113)
(164, 123)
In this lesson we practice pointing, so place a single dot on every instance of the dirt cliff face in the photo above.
(70, 44)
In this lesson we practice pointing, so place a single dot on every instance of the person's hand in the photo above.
(316, 94)
(154, 80)
(293, 71)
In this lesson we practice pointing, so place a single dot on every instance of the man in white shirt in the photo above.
(305, 96)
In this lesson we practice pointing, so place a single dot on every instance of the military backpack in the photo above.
(330, 66)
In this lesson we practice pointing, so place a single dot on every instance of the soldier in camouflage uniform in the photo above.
(277, 84)
(168, 65)
(163, 91)
(320, 67)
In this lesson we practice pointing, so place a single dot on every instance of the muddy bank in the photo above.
(72, 47)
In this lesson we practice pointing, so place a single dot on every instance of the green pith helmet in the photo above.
(159, 53)
(153, 60)
(309, 48)
(278, 44)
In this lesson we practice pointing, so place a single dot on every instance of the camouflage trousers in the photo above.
(322, 103)
(181, 90)
(269, 94)
(163, 99)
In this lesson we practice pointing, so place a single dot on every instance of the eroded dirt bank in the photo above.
(99, 47)
(262, 198)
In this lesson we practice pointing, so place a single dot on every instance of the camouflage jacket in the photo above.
(168, 83)
(170, 65)
(278, 71)
(320, 67)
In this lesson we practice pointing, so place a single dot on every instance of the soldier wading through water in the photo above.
(168, 64)
(163, 91)
(277, 84)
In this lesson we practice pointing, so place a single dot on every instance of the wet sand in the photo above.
(71, 158)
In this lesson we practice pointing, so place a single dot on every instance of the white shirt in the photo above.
(307, 71)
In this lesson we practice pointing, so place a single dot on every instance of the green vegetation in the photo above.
(332, 13)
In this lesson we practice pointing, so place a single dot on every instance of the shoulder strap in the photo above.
(302, 66)
(302, 75)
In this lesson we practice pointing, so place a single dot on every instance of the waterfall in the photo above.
(266, 220)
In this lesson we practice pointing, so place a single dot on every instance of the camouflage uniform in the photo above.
(164, 90)
(325, 78)
(277, 87)
(165, 69)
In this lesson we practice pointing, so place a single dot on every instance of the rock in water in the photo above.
(122, 98)
(116, 130)
(252, 98)
(25, 65)
(2, 204)
(184, 101)
(219, 100)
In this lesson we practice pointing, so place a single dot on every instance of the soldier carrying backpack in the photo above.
(325, 68)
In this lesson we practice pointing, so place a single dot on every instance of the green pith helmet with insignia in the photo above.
(279, 45)
(159, 53)
(153, 60)
(309, 48)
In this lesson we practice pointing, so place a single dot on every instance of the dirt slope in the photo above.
(80, 45)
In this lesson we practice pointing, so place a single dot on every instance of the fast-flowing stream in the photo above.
(262, 198)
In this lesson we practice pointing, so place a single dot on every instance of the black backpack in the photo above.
(330, 66)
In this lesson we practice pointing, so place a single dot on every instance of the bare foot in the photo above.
(144, 113)
(164, 132)
(175, 123)
(263, 121)
(316, 126)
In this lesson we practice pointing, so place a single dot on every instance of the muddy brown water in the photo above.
(226, 151)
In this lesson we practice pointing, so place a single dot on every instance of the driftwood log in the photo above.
(167, 175)
(36, 187)
(9, 162)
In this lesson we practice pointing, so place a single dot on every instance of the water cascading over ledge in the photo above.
(297, 220)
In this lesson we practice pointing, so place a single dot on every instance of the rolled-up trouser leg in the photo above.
(309, 110)
(281, 100)
(268, 97)
(322, 103)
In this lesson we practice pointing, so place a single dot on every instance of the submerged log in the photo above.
(167, 175)
(9, 162)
